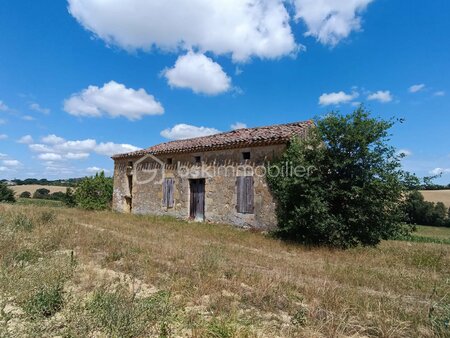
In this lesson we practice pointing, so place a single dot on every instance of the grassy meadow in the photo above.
(73, 273)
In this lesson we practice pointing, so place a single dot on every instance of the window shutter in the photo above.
(245, 194)
(164, 193)
(240, 193)
(170, 184)
(249, 194)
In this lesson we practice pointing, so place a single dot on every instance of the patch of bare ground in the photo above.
(134, 276)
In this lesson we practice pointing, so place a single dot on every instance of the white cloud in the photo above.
(3, 106)
(243, 28)
(439, 93)
(185, 131)
(439, 171)
(110, 148)
(28, 118)
(330, 21)
(76, 156)
(76, 149)
(3, 155)
(336, 98)
(238, 125)
(52, 139)
(27, 139)
(94, 170)
(50, 157)
(199, 73)
(11, 163)
(416, 88)
(40, 148)
(115, 100)
(3, 136)
(2, 121)
(383, 96)
(36, 107)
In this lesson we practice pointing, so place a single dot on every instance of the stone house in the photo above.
(217, 178)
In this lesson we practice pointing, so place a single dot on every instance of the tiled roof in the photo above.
(246, 137)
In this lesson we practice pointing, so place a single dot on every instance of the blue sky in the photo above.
(80, 80)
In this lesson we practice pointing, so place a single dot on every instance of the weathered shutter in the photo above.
(170, 184)
(240, 188)
(164, 193)
(249, 194)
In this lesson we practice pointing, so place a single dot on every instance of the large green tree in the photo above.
(352, 186)
(95, 193)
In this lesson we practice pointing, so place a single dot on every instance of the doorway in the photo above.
(197, 204)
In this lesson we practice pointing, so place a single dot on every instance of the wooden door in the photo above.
(197, 205)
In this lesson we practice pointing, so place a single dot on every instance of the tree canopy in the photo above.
(351, 193)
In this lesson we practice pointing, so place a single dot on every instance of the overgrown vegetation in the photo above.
(419, 211)
(352, 196)
(81, 274)
(95, 193)
(6, 194)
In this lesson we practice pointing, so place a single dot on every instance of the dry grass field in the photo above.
(437, 196)
(72, 273)
(18, 189)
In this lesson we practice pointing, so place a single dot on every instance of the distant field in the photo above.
(33, 187)
(437, 196)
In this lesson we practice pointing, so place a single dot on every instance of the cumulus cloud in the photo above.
(76, 149)
(52, 139)
(3, 137)
(27, 139)
(50, 157)
(336, 98)
(11, 163)
(238, 125)
(184, 131)
(94, 170)
(199, 73)
(416, 88)
(36, 107)
(3, 106)
(330, 21)
(439, 171)
(382, 96)
(242, 28)
(3, 155)
(439, 93)
(114, 100)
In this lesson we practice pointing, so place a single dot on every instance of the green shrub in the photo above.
(6, 194)
(25, 194)
(95, 193)
(22, 222)
(419, 211)
(120, 314)
(69, 198)
(349, 190)
(42, 193)
(47, 301)
(47, 217)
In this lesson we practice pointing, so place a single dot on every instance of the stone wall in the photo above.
(218, 168)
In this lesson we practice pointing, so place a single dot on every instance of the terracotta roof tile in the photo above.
(246, 137)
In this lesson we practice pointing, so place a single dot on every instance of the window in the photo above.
(168, 193)
(245, 194)
(246, 155)
(169, 161)
(197, 159)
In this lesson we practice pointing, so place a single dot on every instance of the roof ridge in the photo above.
(278, 133)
